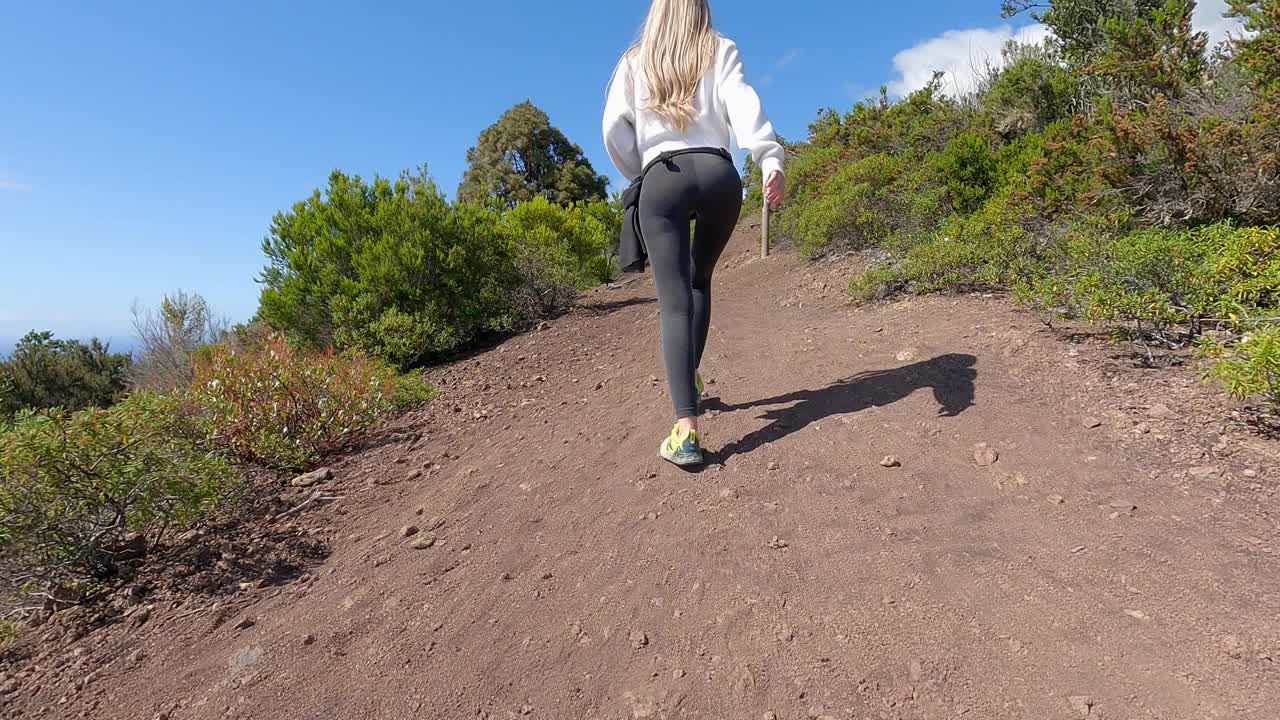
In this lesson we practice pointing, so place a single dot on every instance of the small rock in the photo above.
(906, 355)
(777, 543)
(1250, 474)
(728, 493)
(677, 674)
(424, 542)
(408, 531)
(1122, 505)
(141, 617)
(638, 639)
(309, 639)
(985, 455)
(1160, 411)
(771, 715)
(1078, 549)
(1205, 471)
(1057, 499)
(1081, 704)
(419, 510)
(526, 709)
(312, 478)
(891, 462)
(435, 522)
(136, 657)
(8, 687)
(1137, 615)
(651, 516)
(773, 466)
(1091, 422)
(246, 623)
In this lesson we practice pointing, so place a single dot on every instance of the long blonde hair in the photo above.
(675, 49)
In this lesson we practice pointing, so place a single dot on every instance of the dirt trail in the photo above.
(1117, 560)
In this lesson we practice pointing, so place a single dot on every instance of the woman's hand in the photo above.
(775, 189)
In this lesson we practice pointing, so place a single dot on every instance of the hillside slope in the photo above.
(1066, 537)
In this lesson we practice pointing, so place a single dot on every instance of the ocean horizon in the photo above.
(117, 343)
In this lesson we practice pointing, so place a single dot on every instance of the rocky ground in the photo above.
(931, 508)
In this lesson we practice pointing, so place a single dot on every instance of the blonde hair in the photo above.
(676, 47)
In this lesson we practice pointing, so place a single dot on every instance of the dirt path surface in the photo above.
(1065, 537)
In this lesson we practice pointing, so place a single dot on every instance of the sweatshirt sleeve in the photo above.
(746, 116)
(619, 123)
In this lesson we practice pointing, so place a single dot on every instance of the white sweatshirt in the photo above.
(725, 102)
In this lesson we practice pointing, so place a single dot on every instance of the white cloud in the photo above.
(9, 181)
(1208, 18)
(791, 56)
(963, 55)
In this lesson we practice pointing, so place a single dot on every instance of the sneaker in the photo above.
(683, 449)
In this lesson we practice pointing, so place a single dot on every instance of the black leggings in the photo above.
(706, 188)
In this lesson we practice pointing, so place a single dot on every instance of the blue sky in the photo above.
(144, 146)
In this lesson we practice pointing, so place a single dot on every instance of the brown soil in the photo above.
(1066, 536)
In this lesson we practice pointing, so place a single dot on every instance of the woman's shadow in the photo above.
(951, 377)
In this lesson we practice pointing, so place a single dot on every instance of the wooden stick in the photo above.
(764, 231)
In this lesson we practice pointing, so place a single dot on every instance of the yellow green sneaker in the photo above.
(682, 448)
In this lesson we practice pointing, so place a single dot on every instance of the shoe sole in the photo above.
(683, 459)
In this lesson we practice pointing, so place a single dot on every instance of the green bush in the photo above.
(969, 170)
(44, 373)
(988, 249)
(396, 272)
(1032, 90)
(1161, 278)
(8, 632)
(1250, 367)
(558, 251)
(874, 284)
(388, 268)
(283, 407)
(84, 494)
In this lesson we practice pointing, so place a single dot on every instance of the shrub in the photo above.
(1031, 91)
(8, 632)
(387, 268)
(1160, 278)
(283, 407)
(988, 249)
(1248, 368)
(860, 206)
(395, 271)
(558, 251)
(874, 284)
(44, 373)
(82, 494)
(969, 170)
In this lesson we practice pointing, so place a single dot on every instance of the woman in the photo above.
(681, 89)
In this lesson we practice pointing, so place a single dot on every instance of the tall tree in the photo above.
(523, 156)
